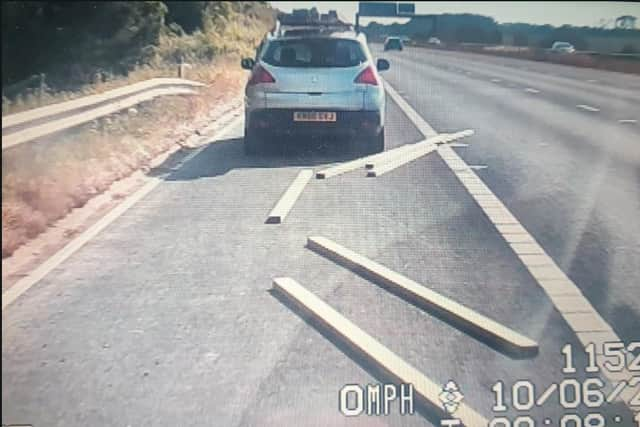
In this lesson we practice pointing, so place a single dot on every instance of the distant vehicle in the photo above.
(562, 47)
(393, 43)
(434, 41)
(314, 78)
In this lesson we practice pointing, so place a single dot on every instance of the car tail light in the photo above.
(260, 75)
(367, 77)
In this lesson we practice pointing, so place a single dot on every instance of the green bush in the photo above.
(72, 41)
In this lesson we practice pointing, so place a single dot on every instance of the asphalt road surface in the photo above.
(166, 317)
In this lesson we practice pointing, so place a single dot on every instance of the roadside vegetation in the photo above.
(455, 29)
(90, 47)
(614, 49)
(81, 48)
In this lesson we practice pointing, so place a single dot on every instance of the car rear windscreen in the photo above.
(393, 43)
(314, 52)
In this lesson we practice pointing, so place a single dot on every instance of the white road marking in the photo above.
(373, 350)
(549, 276)
(592, 81)
(289, 197)
(458, 145)
(422, 125)
(496, 80)
(23, 285)
(478, 167)
(632, 121)
(414, 292)
(588, 108)
(531, 90)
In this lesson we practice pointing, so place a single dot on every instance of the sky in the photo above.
(541, 12)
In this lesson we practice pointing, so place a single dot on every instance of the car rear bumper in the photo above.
(279, 122)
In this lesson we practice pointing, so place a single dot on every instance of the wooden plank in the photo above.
(358, 163)
(453, 312)
(426, 390)
(289, 197)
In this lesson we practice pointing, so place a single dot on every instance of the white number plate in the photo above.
(314, 116)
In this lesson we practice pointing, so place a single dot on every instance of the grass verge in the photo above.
(42, 181)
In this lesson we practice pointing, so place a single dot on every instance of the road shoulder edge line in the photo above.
(41, 271)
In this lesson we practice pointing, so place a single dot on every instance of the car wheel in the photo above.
(251, 143)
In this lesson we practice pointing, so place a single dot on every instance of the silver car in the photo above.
(562, 47)
(314, 83)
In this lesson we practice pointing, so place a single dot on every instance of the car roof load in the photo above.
(308, 21)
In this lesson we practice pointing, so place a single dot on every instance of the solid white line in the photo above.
(531, 90)
(373, 350)
(588, 108)
(418, 121)
(549, 276)
(289, 198)
(21, 286)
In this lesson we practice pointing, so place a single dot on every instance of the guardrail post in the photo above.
(181, 68)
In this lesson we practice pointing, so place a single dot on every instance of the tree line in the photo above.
(471, 28)
(63, 38)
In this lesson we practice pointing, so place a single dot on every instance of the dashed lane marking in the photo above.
(23, 285)
(531, 90)
(496, 80)
(372, 350)
(630, 121)
(548, 275)
(588, 108)
(289, 198)
(469, 320)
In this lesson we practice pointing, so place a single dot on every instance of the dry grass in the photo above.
(44, 180)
